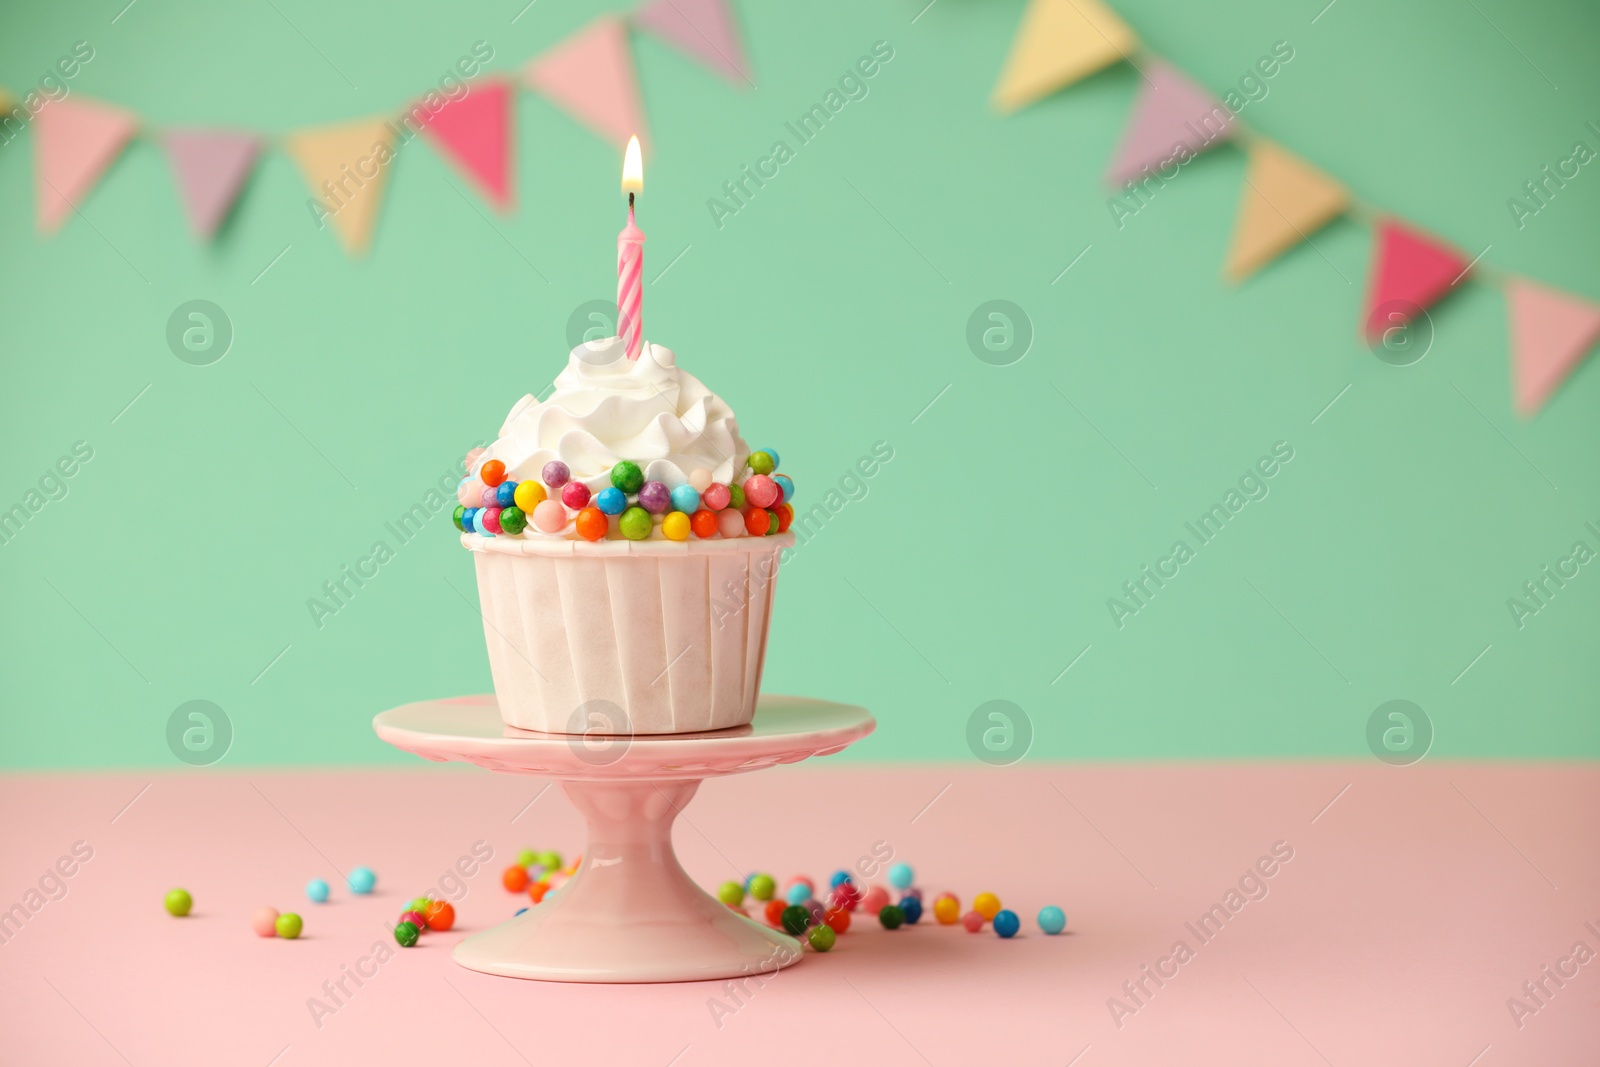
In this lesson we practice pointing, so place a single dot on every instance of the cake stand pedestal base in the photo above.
(630, 913)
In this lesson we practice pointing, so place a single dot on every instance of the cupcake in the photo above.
(626, 542)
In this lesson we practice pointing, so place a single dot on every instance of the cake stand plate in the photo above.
(630, 913)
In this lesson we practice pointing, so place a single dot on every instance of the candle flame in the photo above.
(633, 168)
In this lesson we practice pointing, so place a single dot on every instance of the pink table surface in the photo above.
(1417, 902)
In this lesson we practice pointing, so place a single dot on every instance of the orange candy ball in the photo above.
(537, 890)
(492, 472)
(704, 523)
(838, 919)
(774, 911)
(785, 517)
(514, 879)
(756, 521)
(592, 524)
(440, 915)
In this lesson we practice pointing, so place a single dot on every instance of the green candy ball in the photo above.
(627, 477)
(289, 926)
(527, 858)
(405, 933)
(822, 937)
(796, 919)
(891, 917)
(731, 894)
(736, 497)
(761, 463)
(772, 523)
(179, 902)
(550, 861)
(419, 905)
(635, 524)
(513, 520)
(762, 887)
(461, 510)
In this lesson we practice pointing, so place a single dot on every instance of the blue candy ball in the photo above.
(519, 911)
(477, 522)
(505, 494)
(1006, 923)
(317, 890)
(361, 880)
(686, 498)
(838, 879)
(466, 520)
(773, 452)
(797, 893)
(912, 907)
(900, 876)
(785, 483)
(611, 500)
(1052, 920)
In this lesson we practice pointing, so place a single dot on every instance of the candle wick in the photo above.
(630, 200)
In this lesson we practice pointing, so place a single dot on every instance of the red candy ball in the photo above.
(492, 472)
(515, 879)
(972, 921)
(415, 919)
(756, 521)
(774, 911)
(440, 915)
(785, 513)
(838, 919)
(575, 495)
(716, 496)
(703, 523)
(761, 491)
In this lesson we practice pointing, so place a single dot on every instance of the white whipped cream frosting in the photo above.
(607, 408)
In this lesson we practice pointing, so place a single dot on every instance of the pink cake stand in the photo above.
(630, 913)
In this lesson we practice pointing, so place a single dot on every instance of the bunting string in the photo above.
(470, 121)
(1285, 200)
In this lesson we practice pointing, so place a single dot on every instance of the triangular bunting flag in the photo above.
(1550, 333)
(701, 29)
(1285, 200)
(475, 133)
(345, 167)
(1411, 271)
(590, 76)
(1059, 42)
(211, 166)
(1173, 120)
(78, 139)
(5, 102)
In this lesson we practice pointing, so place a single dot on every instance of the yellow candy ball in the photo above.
(987, 905)
(529, 495)
(947, 910)
(676, 526)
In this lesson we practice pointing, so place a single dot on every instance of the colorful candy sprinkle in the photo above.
(761, 491)
(1052, 920)
(513, 520)
(492, 472)
(575, 495)
(529, 495)
(675, 527)
(686, 498)
(655, 497)
(317, 891)
(704, 524)
(611, 500)
(762, 462)
(730, 523)
(715, 496)
(490, 497)
(491, 520)
(555, 474)
(1006, 923)
(757, 522)
(264, 921)
(505, 494)
(550, 517)
(592, 522)
(178, 902)
(635, 524)
(627, 476)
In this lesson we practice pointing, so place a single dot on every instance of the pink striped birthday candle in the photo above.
(630, 260)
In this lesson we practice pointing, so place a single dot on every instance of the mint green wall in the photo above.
(179, 563)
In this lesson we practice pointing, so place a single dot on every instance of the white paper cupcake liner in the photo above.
(619, 637)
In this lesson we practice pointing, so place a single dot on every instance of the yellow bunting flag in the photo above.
(1059, 42)
(1284, 201)
(5, 101)
(345, 167)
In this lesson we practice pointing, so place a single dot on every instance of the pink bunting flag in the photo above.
(702, 30)
(211, 166)
(77, 140)
(1411, 271)
(475, 133)
(590, 76)
(1551, 332)
(1174, 120)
